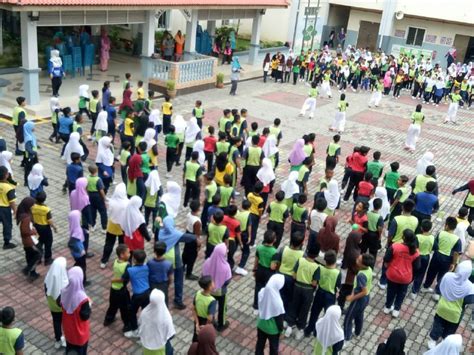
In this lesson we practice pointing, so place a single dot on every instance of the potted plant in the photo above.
(220, 80)
(171, 88)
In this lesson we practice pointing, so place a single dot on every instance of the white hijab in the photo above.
(456, 285)
(266, 174)
(35, 177)
(101, 123)
(5, 158)
(73, 146)
(84, 91)
(192, 130)
(425, 161)
(289, 186)
(172, 198)
(155, 117)
(332, 194)
(118, 203)
(156, 325)
(54, 104)
(328, 329)
(269, 147)
(104, 152)
(153, 182)
(55, 59)
(133, 218)
(381, 193)
(149, 138)
(56, 278)
(179, 124)
(270, 304)
(199, 147)
(451, 345)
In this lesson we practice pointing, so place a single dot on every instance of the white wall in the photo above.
(275, 24)
(357, 15)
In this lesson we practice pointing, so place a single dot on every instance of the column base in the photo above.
(31, 85)
(253, 53)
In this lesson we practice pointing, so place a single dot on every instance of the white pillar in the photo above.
(29, 55)
(386, 22)
(148, 43)
(211, 28)
(191, 30)
(255, 40)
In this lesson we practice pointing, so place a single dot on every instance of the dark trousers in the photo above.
(354, 180)
(273, 341)
(189, 257)
(254, 220)
(110, 240)
(178, 153)
(94, 119)
(86, 150)
(119, 300)
(265, 74)
(355, 314)
(245, 249)
(299, 307)
(56, 83)
(55, 132)
(437, 269)
(370, 242)
(230, 255)
(57, 321)
(322, 300)
(45, 240)
(166, 123)
(416, 89)
(170, 158)
(98, 205)
(397, 89)
(6, 220)
(233, 87)
(286, 291)
(222, 309)
(81, 262)
(278, 229)
(420, 273)
(137, 302)
(209, 159)
(76, 349)
(150, 211)
(345, 177)
(193, 190)
(262, 275)
(442, 328)
(33, 258)
(204, 216)
(295, 78)
(345, 291)
(420, 216)
(312, 240)
(209, 250)
(395, 294)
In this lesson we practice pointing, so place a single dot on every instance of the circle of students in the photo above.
(291, 283)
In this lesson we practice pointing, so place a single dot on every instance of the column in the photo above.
(211, 28)
(386, 24)
(191, 30)
(29, 55)
(1, 32)
(255, 40)
(148, 44)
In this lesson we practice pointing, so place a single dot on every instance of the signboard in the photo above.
(417, 52)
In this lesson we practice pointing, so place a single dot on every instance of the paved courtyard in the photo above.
(382, 129)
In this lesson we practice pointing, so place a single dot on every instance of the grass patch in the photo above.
(243, 44)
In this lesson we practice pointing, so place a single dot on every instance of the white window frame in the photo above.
(417, 28)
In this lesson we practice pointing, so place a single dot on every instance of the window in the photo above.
(415, 36)
(163, 20)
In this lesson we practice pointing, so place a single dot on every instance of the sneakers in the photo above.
(382, 286)
(387, 310)
(236, 193)
(435, 297)
(241, 272)
(131, 334)
(57, 345)
(413, 296)
(9, 245)
(103, 265)
(192, 277)
(288, 332)
(426, 290)
(179, 306)
(168, 175)
(255, 312)
(63, 341)
(395, 313)
(299, 334)
(431, 344)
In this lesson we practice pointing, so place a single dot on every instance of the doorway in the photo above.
(461, 43)
(368, 32)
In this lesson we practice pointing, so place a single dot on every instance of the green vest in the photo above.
(342, 105)
(53, 305)
(222, 147)
(373, 218)
(404, 222)
(275, 131)
(54, 117)
(150, 201)
(118, 271)
(469, 200)
(198, 112)
(223, 123)
(421, 181)
(211, 190)
(368, 274)
(318, 348)
(277, 211)
(306, 270)
(417, 117)
(446, 242)
(405, 193)
(82, 102)
(243, 218)
(313, 93)
(302, 172)
(375, 167)
(425, 243)
(231, 154)
(332, 149)
(191, 170)
(328, 279)
(379, 87)
(289, 258)
(235, 129)
(455, 98)
(75, 126)
(226, 194)
(254, 154)
(201, 303)
(92, 183)
(297, 212)
(8, 337)
(124, 154)
(307, 149)
(16, 113)
(215, 233)
(450, 310)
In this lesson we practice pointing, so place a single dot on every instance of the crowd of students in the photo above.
(300, 268)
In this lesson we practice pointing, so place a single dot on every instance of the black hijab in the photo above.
(395, 344)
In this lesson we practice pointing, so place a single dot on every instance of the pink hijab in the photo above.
(73, 294)
(75, 229)
(297, 154)
(79, 197)
(217, 267)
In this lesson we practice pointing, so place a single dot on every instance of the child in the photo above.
(375, 167)
(161, 270)
(376, 96)
(226, 192)
(217, 232)
(76, 242)
(36, 180)
(210, 147)
(128, 131)
(447, 248)
(372, 240)
(455, 98)
(171, 142)
(198, 112)
(94, 109)
(325, 86)
(310, 102)
(55, 112)
(340, 120)
(128, 77)
(391, 180)
(167, 111)
(204, 305)
(359, 299)
(111, 116)
(256, 210)
(463, 229)
(138, 275)
(105, 163)
(252, 158)
(225, 122)
(119, 298)
(192, 178)
(414, 129)
(190, 250)
(43, 222)
(359, 216)
(328, 278)
(83, 100)
(153, 192)
(245, 232)
(303, 175)
(95, 190)
(305, 276)
(426, 203)
(278, 213)
(262, 270)
(233, 226)
(299, 215)
(316, 220)
(13, 340)
(425, 246)
(209, 192)
(124, 157)
(333, 152)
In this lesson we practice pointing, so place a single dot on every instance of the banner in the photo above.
(409, 51)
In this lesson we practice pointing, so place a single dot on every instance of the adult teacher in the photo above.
(451, 56)
(341, 36)
(235, 75)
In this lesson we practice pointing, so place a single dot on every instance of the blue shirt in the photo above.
(159, 270)
(65, 124)
(76, 247)
(138, 276)
(111, 115)
(55, 71)
(74, 172)
(426, 203)
(211, 210)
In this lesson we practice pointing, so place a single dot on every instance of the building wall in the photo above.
(275, 24)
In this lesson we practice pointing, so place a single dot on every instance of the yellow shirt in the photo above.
(166, 108)
(255, 202)
(128, 129)
(7, 194)
(140, 94)
(219, 176)
(41, 214)
(113, 228)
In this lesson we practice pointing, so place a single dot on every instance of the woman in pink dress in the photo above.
(104, 51)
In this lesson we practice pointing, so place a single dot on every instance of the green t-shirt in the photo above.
(265, 254)
(172, 140)
(375, 167)
(391, 180)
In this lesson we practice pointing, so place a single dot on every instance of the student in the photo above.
(425, 246)
(375, 167)
(225, 122)
(339, 121)
(153, 191)
(76, 306)
(332, 196)
(463, 229)
(402, 260)
(310, 102)
(65, 123)
(191, 135)
(210, 191)
(124, 157)
(252, 160)
(31, 148)
(372, 240)
(328, 239)
(135, 178)
(74, 171)
(119, 297)
(198, 112)
(94, 109)
(455, 98)
(271, 312)
(56, 279)
(191, 178)
(426, 203)
(365, 188)
(226, 192)
(469, 200)
(171, 141)
(256, 210)
(138, 275)
(210, 147)
(395, 344)
(18, 115)
(358, 168)
(101, 126)
(133, 225)
(303, 175)
(284, 261)
(217, 232)
(299, 215)
(333, 152)
(400, 196)
(414, 129)
(233, 226)
(262, 270)
(305, 276)
(95, 190)
(267, 177)
(111, 117)
(420, 181)
(447, 248)
(43, 222)
(204, 305)
(290, 188)
(316, 220)
(106, 94)
(190, 250)
(105, 163)
(205, 343)
(77, 244)
(278, 213)
(391, 180)
(161, 270)
(452, 344)
(359, 299)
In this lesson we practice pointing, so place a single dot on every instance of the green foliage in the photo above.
(170, 85)
(114, 35)
(224, 32)
(220, 78)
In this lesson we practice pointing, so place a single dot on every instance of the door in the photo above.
(368, 32)
(461, 43)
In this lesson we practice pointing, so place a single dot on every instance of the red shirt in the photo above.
(135, 243)
(210, 144)
(262, 140)
(233, 225)
(76, 331)
(400, 268)
(359, 162)
(365, 189)
(362, 221)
